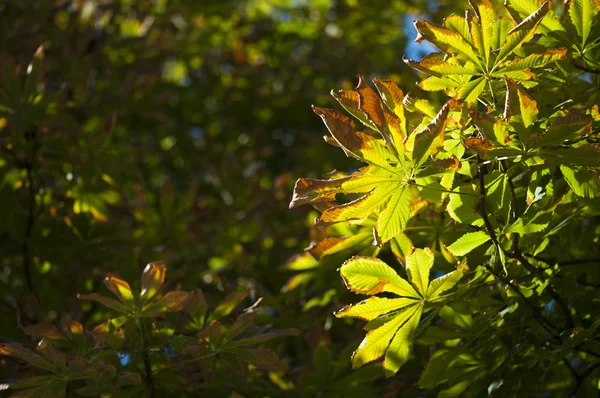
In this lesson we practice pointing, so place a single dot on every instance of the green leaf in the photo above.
(440, 68)
(550, 23)
(377, 341)
(226, 306)
(395, 215)
(472, 90)
(444, 283)
(585, 183)
(569, 127)
(522, 32)
(468, 243)
(119, 288)
(401, 346)
(425, 138)
(583, 13)
(105, 301)
(374, 307)
(449, 41)
(370, 275)
(462, 206)
(535, 60)
(332, 245)
(418, 266)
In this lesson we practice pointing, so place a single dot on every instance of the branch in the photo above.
(547, 324)
(581, 378)
(31, 214)
(148, 369)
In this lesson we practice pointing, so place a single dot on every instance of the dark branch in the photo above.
(547, 324)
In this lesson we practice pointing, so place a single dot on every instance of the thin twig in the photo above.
(547, 324)
(31, 215)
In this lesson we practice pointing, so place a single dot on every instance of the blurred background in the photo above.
(174, 130)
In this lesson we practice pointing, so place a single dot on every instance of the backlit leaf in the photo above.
(468, 242)
(374, 307)
(418, 266)
(369, 275)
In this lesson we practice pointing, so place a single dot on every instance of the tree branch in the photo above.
(547, 324)
(31, 214)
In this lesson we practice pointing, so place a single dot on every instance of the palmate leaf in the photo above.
(386, 183)
(394, 338)
(479, 48)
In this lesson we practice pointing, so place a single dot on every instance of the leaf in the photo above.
(468, 242)
(418, 266)
(444, 283)
(42, 330)
(585, 183)
(153, 278)
(395, 215)
(522, 32)
(333, 245)
(369, 275)
(500, 30)
(433, 83)
(485, 15)
(569, 127)
(379, 115)
(105, 301)
(462, 206)
(262, 358)
(119, 288)
(401, 346)
(459, 24)
(228, 304)
(535, 60)
(261, 338)
(374, 307)
(393, 97)
(439, 68)
(173, 301)
(52, 354)
(436, 370)
(472, 90)
(550, 23)
(18, 351)
(425, 138)
(583, 14)
(376, 342)
(446, 40)
(349, 100)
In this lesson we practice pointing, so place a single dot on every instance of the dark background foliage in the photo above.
(174, 130)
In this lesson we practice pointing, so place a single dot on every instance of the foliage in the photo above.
(142, 342)
(509, 165)
(465, 210)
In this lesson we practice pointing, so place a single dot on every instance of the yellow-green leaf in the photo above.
(468, 242)
(393, 218)
(377, 341)
(583, 13)
(370, 275)
(444, 283)
(399, 350)
(449, 41)
(418, 266)
(374, 307)
(522, 32)
(119, 288)
(153, 278)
